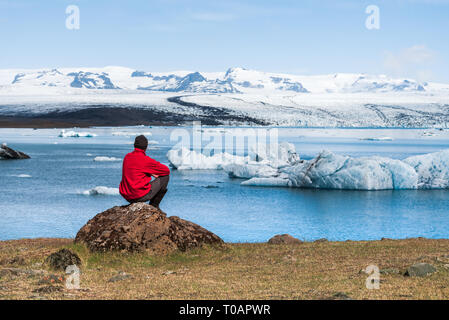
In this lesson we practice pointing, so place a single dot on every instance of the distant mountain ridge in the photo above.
(234, 80)
(124, 96)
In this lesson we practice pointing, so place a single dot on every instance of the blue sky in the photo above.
(299, 37)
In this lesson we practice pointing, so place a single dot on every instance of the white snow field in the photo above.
(326, 171)
(334, 100)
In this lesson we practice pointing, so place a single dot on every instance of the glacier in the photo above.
(236, 96)
(327, 170)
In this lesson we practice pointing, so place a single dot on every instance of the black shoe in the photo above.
(158, 198)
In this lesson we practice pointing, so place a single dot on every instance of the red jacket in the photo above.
(136, 174)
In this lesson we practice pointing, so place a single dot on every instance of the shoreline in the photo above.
(254, 243)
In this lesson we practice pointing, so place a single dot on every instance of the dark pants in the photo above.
(158, 188)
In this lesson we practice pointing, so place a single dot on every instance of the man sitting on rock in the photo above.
(138, 168)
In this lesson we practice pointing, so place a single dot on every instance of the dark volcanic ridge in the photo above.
(113, 115)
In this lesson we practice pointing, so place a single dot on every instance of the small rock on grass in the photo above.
(321, 240)
(48, 289)
(62, 259)
(19, 271)
(420, 270)
(20, 261)
(340, 296)
(166, 273)
(120, 277)
(284, 239)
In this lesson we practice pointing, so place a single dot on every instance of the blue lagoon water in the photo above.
(43, 196)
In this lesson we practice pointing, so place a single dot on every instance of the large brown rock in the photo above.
(142, 227)
(284, 239)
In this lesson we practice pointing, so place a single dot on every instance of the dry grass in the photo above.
(239, 271)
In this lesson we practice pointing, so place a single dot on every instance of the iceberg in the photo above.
(261, 160)
(74, 134)
(276, 155)
(100, 159)
(266, 182)
(130, 134)
(283, 168)
(101, 190)
(22, 175)
(249, 170)
(332, 171)
(378, 139)
(432, 169)
(185, 159)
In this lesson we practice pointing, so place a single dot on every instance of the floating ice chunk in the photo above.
(332, 171)
(277, 155)
(378, 139)
(152, 142)
(101, 190)
(432, 169)
(22, 175)
(429, 134)
(266, 182)
(184, 159)
(130, 134)
(250, 170)
(73, 134)
(100, 159)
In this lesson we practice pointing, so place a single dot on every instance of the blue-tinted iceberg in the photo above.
(332, 171)
(432, 169)
(283, 168)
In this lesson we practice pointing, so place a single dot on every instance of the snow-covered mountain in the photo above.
(234, 80)
(343, 99)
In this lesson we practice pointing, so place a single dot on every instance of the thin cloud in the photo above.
(415, 61)
(213, 16)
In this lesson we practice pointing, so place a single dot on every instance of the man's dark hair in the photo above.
(141, 142)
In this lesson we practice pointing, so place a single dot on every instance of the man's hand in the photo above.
(155, 176)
